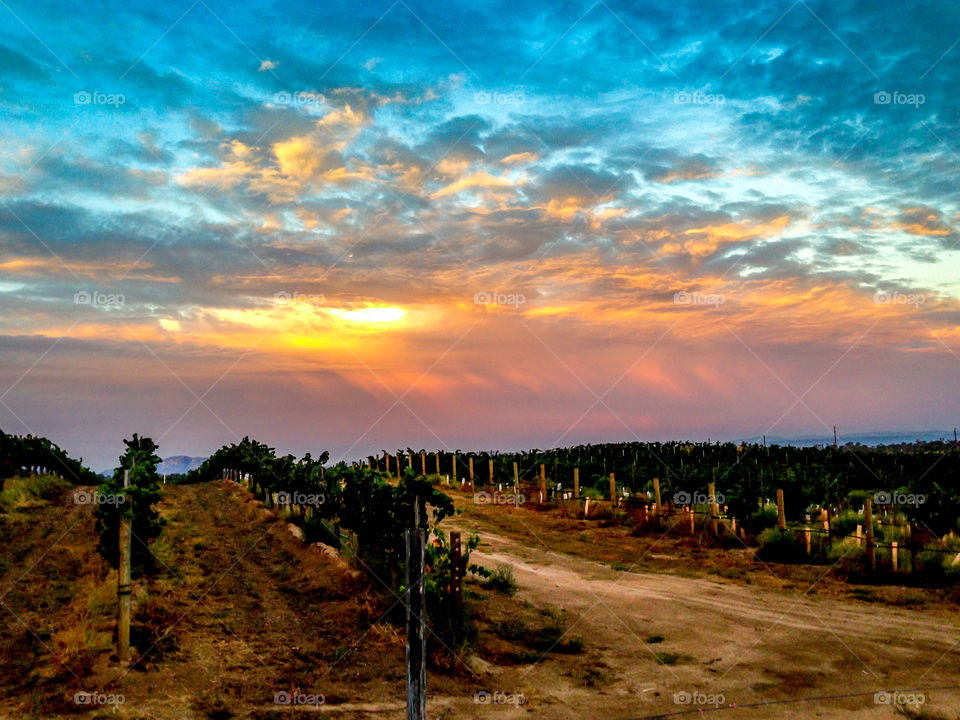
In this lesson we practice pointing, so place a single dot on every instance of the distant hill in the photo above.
(179, 464)
(173, 465)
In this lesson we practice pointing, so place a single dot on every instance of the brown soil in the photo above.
(241, 610)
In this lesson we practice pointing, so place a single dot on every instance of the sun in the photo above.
(371, 315)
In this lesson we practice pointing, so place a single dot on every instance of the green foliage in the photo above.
(135, 503)
(502, 580)
(28, 451)
(764, 519)
(778, 545)
(30, 490)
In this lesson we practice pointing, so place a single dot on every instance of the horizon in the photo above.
(564, 225)
(895, 437)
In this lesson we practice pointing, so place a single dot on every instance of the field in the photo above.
(592, 619)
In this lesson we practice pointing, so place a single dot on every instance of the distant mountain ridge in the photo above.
(173, 465)
(179, 464)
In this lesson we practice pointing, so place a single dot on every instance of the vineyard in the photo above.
(875, 516)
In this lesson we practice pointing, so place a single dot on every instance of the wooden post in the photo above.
(613, 494)
(438, 463)
(416, 650)
(456, 578)
(490, 467)
(781, 516)
(453, 465)
(868, 521)
(543, 483)
(893, 555)
(576, 483)
(423, 462)
(398, 466)
(471, 472)
(516, 481)
(806, 531)
(859, 534)
(656, 498)
(123, 582)
(714, 507)
(693, 528)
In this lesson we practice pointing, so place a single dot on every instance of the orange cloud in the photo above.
(480, 179)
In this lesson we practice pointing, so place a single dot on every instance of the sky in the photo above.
(367, 226)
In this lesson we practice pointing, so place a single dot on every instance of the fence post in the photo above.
(693, 528)
(490, 467)
(781, 516)
(868, 521)
(398, 466)
(123, 583)
(470, 459)
(656, 497)
(714, 507)
(543, 483)
(456, 579)
(576, 483)
(423, 462)
(453, 461)
(613, 495)
(516, 481)
(893, 555)
(806, 531)
(438, 463)
(416, 637)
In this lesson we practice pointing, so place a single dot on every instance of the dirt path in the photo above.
(723, 643)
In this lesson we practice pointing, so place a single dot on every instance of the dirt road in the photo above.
(725, 645)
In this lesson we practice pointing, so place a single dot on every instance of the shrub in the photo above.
(502, 580)
(760, 520)
(847, 557)
(778, 545)
(30, 491)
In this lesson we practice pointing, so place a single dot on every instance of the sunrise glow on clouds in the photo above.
(489, 225)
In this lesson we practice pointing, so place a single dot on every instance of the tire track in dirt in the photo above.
(747, 643)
